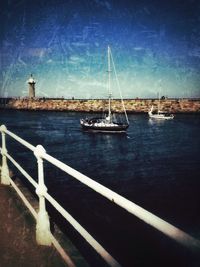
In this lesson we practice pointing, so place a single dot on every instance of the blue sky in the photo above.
(155, 45)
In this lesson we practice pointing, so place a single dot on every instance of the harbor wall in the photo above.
(101, 105)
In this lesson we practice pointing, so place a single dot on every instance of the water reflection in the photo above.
(154, 121)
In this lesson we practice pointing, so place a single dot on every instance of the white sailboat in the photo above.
(108, 123)
(158, 114)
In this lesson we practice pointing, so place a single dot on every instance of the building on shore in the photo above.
(31, 83)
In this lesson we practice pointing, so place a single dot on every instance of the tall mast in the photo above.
(118, 85)
(109, 89)
(160, 88)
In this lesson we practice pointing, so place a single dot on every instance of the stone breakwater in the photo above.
(101, 105)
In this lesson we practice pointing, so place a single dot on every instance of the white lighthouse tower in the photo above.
(31, 83)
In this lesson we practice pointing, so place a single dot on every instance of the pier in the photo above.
(101, 105)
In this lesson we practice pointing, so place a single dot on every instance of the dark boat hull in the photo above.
(109, 129)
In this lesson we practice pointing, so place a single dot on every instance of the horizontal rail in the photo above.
(31, 180)
(24, 199)
(144, 215)
(63, 254)
(20, 140)
(107, 257)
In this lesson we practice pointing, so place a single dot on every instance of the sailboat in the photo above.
(107, 123)
(161, 115)
(158, 114)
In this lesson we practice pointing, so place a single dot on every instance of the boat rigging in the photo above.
(107, 123)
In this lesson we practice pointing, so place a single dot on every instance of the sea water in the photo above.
(156, 164)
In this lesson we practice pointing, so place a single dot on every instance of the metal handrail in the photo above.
(144, 215)
(41, 190)
(19, 139)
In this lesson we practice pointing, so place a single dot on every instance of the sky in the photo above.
(155, 46)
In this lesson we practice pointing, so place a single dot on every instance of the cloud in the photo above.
(39, 52)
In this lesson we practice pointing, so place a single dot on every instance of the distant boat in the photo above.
(158, 114)
(108, 123)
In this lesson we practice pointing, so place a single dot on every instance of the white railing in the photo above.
(43, 234)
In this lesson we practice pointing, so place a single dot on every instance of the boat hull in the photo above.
(113, 128)
(161, 117)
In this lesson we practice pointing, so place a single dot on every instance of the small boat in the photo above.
(107, 123)
(160, 115)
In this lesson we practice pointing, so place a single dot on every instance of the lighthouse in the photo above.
(31, 83)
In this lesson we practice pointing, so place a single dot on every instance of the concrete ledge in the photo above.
(17, 231)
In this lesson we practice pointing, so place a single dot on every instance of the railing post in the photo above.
(42, 224)
(5, 177)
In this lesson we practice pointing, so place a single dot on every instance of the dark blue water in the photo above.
(156, 165)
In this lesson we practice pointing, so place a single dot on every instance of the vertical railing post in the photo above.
(42, 224)
(5, 178)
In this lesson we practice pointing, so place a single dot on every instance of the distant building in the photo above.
(31, 83)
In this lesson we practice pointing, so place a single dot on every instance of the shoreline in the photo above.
(172, 105)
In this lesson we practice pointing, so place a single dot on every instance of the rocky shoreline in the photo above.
(100, 105)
